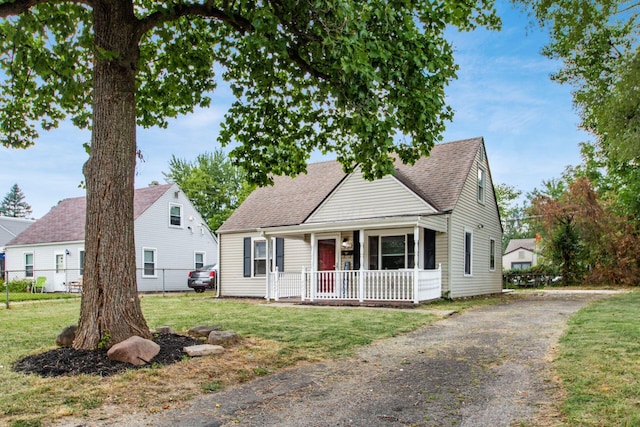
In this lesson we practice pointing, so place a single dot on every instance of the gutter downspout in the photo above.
(217, 236)
(450, 258)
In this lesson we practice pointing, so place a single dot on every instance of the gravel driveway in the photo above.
(484, 367)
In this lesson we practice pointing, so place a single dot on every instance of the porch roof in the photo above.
(437, 222)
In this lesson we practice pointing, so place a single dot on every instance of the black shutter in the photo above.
(280, 254)
(247, 257)
(356, 250)
(429, 249)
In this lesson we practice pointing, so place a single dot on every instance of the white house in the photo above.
(426, 231)
(9, 228)
(171, 238)
(520, 254)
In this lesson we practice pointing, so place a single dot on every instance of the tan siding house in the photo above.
(426, 231)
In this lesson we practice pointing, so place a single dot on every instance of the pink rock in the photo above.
(135, 350)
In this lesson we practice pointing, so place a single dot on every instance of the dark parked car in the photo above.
(203, 278)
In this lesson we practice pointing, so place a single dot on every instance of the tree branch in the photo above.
(18, 7)
(22, 6)
(207, 10)
(301, 38)
(235, 20)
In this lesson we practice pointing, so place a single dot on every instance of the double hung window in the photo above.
(28, 264)
(149, 269)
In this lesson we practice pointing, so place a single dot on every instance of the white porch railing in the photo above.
(366, 285)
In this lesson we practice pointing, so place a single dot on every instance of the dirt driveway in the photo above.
(484, 367)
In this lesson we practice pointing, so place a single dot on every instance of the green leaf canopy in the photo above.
(362, 79)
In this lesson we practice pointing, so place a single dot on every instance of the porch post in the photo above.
(268, 266)
(312, 270)
(361, 275)
(303, 284)
(416, 260)
(276, 287)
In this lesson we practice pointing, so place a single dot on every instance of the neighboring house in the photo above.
(9, 228)
(429, 230)
(520, 254)
(171, 239)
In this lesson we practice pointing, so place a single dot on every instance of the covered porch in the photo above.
(383, 260)
(361, 286)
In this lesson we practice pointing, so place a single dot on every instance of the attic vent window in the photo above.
(481, 185)
(176, 194)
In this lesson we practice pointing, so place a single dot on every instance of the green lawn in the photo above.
(598, 361)
(278, 336)
(28, 296)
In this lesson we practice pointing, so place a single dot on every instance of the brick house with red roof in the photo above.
(171, 238)
(426, 231)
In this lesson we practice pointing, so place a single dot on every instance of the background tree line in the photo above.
(588, 217)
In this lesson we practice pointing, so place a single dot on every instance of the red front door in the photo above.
(326, 262)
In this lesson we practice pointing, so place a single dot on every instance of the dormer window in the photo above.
(175, 215)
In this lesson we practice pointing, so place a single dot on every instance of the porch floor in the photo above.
(347, 303)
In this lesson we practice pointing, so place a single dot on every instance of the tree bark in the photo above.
(110, 309)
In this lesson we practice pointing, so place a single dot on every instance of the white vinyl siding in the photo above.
(175, 248)
(232, 280)
(44, 263)
(357, 198)
(175, 245)
(297, 254)
(483, 221)
(518, 258)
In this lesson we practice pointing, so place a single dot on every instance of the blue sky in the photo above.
(503, 93)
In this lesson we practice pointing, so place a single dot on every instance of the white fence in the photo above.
(366, 285)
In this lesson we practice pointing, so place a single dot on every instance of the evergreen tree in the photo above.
(13, 204)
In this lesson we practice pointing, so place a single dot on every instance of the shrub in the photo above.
(19, 285)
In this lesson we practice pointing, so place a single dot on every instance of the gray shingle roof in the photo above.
(65, 222)
(10, 227)
(438, 179)
(288, 201)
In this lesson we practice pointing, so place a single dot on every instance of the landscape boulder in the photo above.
(66, 337)
(203, 350)
(135, 350)
(225, 338)
(203, 331)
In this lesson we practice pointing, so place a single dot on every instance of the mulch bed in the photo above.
(68, 361)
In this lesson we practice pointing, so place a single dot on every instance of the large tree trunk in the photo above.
(110, 310)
